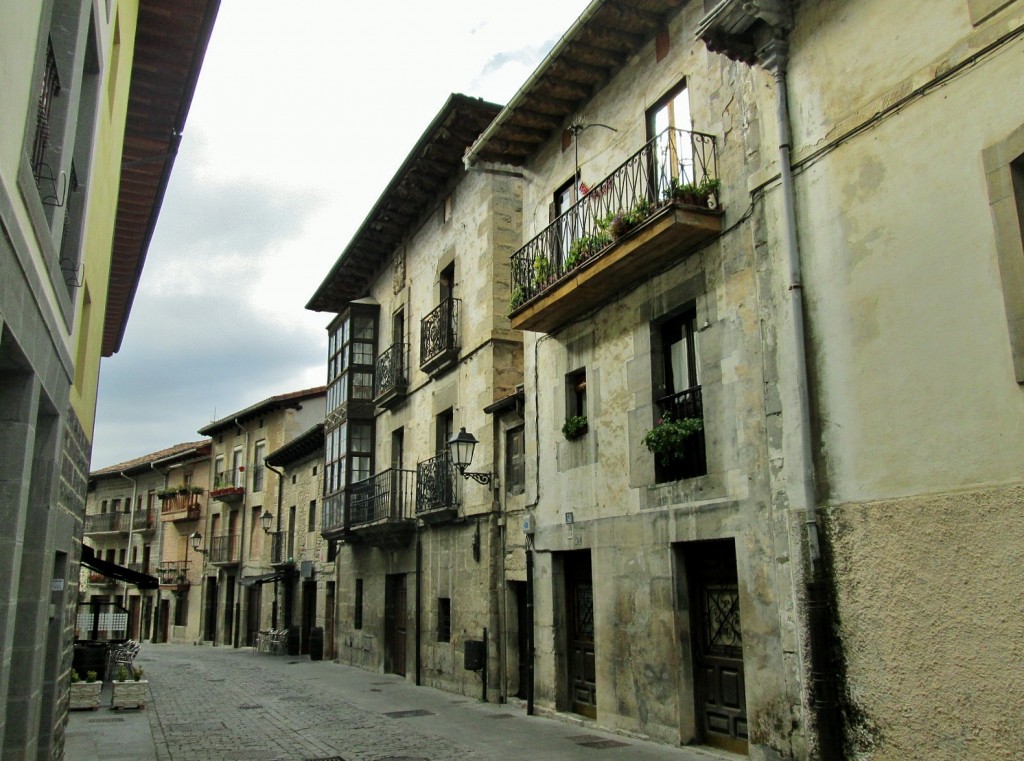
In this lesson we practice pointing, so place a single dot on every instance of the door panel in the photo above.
(394, 624)
(579, 596)
(718, 644)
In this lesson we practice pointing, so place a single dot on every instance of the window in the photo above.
(352, 345)
(332, 550)
(569, 228)
(357, 615)
(115, 505)
(668, 122)
(678, 393)
(258, 465)
(397, 447)
(219, 482)
(311, 516)
(515, 460)
(103, 506)
(576, 394)
(444, 619)
(237, 468)
(444, 427)
(446, 210)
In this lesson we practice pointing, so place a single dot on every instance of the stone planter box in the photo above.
(85, 695)
(130, 694)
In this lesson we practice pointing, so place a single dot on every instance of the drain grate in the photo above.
(409, 714)
(601, 744)
(325, 758)
(249, 707)
(502, 716)
(104, 721)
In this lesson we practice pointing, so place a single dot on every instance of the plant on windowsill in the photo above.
(574, 427)
(85, 694)
(667, 439)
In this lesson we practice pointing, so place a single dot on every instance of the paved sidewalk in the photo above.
(221, 704)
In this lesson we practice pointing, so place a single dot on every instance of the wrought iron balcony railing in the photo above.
(173, 572)
(439, 336)
(387, 495)
(390, 374)
(224, 549)
(139, 567)
(107, 523)
(675, 167)
(282, 547)
(692, 460)
(229, 479)
(436, 484)
(143, 520)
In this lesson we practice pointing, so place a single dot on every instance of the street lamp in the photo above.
(461, 446)
(265, 520)
(197, 539)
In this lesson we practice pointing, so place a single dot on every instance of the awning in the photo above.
(119, 572)
(248, 581)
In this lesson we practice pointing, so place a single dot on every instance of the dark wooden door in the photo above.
(718, 645)
(579, 598)
(394, 624)
(329, 622)
(523, 624)
(308, 614)
(254, 606)
(210, 613)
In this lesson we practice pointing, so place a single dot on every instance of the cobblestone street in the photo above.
(220, 703)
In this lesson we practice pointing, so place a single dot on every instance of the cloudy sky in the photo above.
(299, 121)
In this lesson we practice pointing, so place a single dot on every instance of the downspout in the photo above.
(775, 58)
(280, 496)
(131, 533)
(241, 542)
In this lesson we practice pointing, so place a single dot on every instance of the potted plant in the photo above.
(542, 271)
(85, 694)
(517, 299)
(195, 489)
(167, 493)
(574, 427)
(668, 437)
(584, 247)
(128, 694)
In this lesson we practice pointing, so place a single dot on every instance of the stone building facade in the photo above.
(70, 259)
(139, 515)
(233, 543)
(419, 348)
(304, 592)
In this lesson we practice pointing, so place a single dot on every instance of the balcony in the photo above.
(436, 489)
(692, 460)
(439, 338)
(99, 580)
(380, 507)
(332, 523)
(391, 376)
(282, 548)
(650, 212)
(229, 485)
(173, 573)
(180, 503)
(107, 523)
(224, 549)
(144, 520)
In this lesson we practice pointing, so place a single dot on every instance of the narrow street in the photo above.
(219, 703)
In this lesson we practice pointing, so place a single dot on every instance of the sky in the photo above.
(299, 121)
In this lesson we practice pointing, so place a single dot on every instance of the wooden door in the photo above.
(579, 598)
(210, 613)
(394, 624)
(717, 645)
(329, 622)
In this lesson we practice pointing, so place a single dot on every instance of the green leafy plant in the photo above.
(574, 427)
(517, 299)
(90, 676)
(137, 674)
(75, 678)
(585, 247)
(668, 437)
(694, 194)
(624, 221)
(194, 489)
(542, 271)
(168, 492)
(122, 673)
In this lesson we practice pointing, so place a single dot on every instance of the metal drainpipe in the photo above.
(280, 496)
(826, 704)
(241, 542)
(131, 534)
